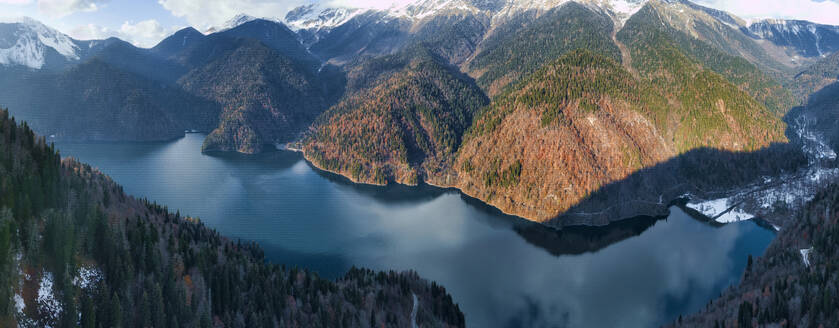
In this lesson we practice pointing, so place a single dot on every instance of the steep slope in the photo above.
(522, 51)
(817, 76)
(95, 101)
(716, 45)
(454, 35)
(276, 36)
(803, 38)
(267, 98)
(76, 251)
(793, 284)
(401, 121)
(29, 43)
(367, 34)
(584, 121)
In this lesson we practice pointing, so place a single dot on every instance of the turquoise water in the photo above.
(503, 271)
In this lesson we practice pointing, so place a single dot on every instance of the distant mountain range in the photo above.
(475, 94)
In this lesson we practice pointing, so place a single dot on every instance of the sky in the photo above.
(146, 22)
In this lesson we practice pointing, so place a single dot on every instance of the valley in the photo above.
(549, 128)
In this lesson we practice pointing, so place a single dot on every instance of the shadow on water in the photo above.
(258, 163)
(139, 150)
(576, 240)
(330, 266)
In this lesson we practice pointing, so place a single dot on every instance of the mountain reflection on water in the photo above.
(504, 271)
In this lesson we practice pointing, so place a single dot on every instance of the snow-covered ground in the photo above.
(812, 142)
(720, 210)
(768, 196)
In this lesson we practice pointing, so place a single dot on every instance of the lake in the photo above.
(502, 270)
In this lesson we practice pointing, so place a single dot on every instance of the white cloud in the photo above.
(824, 11)
(90, 32)
(61, 8)
(15, 2)
(144, 34)
(203, 14)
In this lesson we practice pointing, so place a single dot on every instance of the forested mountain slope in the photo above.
(584, 121)
(577, 124)
(520, 51)
(96, 101)
(75, 250)
(267, 98)
(705, 41)
(402, 120)
(817, 76)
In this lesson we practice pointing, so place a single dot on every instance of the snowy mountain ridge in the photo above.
(27, 41)
(811, 39)
(319, 16)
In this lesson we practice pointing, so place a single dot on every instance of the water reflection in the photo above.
(578, 240)
(502, 270)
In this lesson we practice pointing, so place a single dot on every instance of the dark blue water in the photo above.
(503, 271)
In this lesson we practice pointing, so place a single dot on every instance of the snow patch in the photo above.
(87, 277)
(46, 296)
(805, 256)
(627, 8)
(414, 311)
(19, 303)
(720, 211)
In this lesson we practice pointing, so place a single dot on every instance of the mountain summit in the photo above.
(28, 42)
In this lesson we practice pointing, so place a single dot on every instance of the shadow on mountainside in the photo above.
(704, 173)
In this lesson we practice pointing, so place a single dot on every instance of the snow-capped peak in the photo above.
(27, 40)
(317, 16)
(418, 10)
(238, 20)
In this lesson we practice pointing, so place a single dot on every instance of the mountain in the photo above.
(819, 114)
(805, 39)
(142, 62)
(96, 101)
(696, 76)
(520, 52)
(403, 123)
(275, 35)
(178, 42)
(27, 42)
(584, 121)
(718, 47)
(317, 16)
(614, 103)
(267, 97)
(76, 251)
